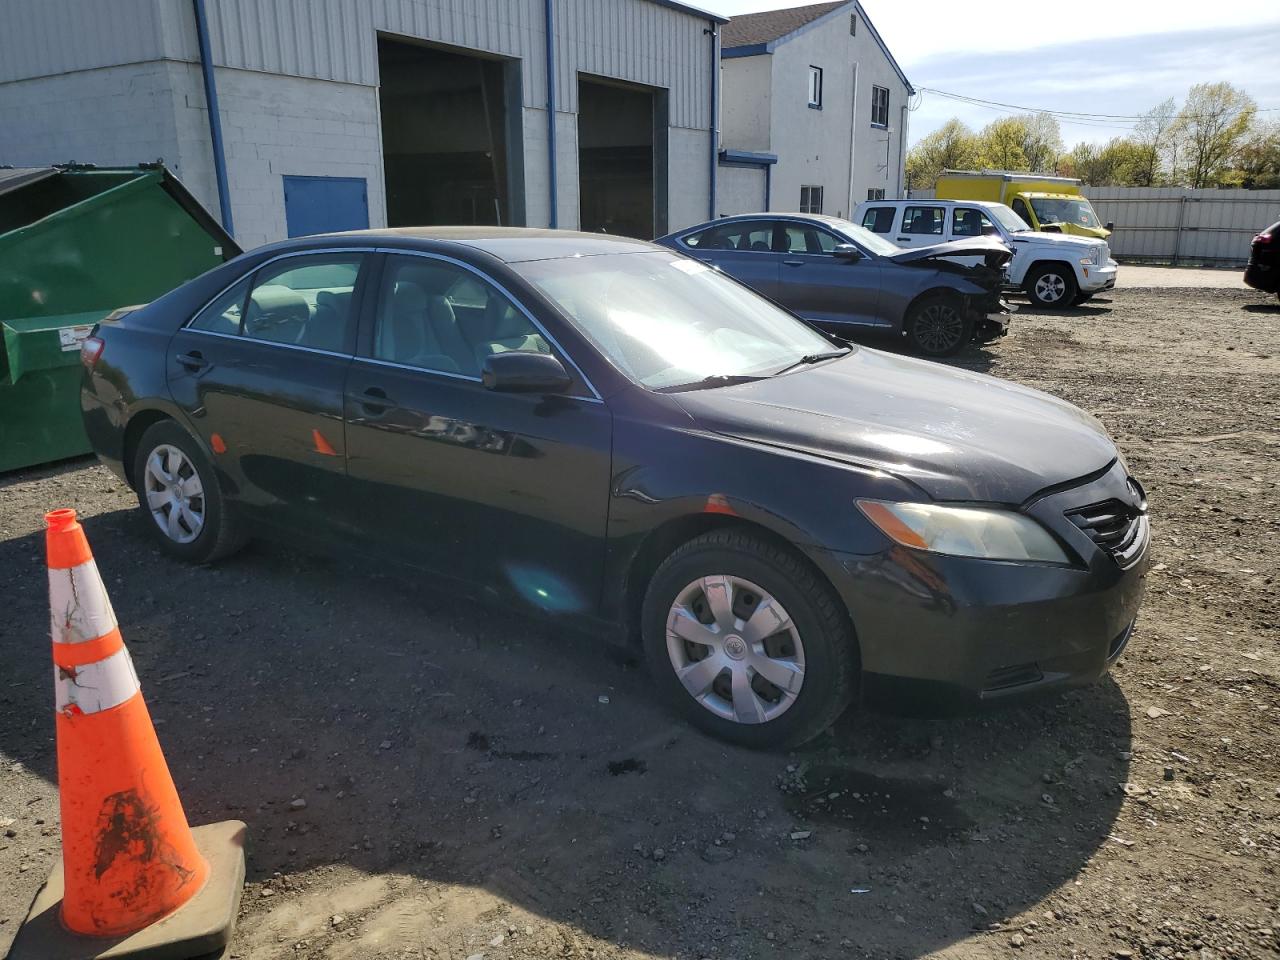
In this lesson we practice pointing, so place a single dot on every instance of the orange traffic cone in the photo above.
(134, 877)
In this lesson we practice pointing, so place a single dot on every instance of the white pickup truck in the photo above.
(1055, 270)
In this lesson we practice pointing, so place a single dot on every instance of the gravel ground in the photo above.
(477, 785)
(1131, 276)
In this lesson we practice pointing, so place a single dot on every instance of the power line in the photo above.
(1065, 116)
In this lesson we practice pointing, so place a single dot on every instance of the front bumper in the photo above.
(953, 631)
(1096, 279)
(991, 319)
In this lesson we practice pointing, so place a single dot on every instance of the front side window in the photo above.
(815, 87)
(798, 238)
(880, 106)
(810, 199)
(1020, 208)
(437, 315)
(923, 221)
(970, 222)
(670, 322)
(879, 219)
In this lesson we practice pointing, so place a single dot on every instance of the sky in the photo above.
(1121, 57)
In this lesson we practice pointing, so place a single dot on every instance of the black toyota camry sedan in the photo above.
(607, 431)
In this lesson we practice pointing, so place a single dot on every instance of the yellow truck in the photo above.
(1050, 204)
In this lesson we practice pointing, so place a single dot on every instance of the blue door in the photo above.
(325, 204)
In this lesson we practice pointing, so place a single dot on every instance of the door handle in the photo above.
(193, 361)
(904, 239)
(375, 400)
(793, 263)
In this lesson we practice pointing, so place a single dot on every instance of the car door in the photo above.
(820, 287)
(922, 225)
(741, 248)
(508, 490)
(259, 373)
(968, 222)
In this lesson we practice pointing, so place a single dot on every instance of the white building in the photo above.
(813, 112)
(337, 114)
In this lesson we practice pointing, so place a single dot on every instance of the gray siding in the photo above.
(42, 38)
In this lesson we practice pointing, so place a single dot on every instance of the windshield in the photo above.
(1011, 222)
(669, 322)
(1064, 210)
(864, 237)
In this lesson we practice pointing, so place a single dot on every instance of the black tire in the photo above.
(826, 637)
(938, 326)
(218, 536)
(1059, 289)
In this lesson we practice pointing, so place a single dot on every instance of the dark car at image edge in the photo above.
(1263, 270)
(606, 432)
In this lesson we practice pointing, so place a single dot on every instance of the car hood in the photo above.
(1057, 239)
(957, 435)
(994, 253)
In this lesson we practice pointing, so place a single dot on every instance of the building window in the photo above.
(853, 24)
(815, 88)
(810, 199)
(880, 106)
(875, 193)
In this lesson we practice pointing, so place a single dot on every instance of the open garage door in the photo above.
(451, 136)
(622, 151)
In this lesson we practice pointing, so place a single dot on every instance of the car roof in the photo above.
(932, 201)
(509, 244)
(770, 215)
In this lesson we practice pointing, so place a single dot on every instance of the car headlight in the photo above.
(964, 531)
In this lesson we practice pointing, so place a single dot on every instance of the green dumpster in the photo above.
(76, 244)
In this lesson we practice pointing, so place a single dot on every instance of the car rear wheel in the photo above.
(937, 326)
(1052, 287)
(748, 642)
(179, 495)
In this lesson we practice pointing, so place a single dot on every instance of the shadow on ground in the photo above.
(460, 744)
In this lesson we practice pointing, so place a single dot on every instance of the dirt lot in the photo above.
(479, 786)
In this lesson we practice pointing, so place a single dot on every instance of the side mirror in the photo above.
(519, 372)
(1051, 228)
(1110, 226)
(847, 252)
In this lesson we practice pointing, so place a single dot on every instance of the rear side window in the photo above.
(879, 219)
(923, 220)
(754, 235)
(223, 315)
(304, 301)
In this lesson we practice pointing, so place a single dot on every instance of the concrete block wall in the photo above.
(276, 126)
(108, 116)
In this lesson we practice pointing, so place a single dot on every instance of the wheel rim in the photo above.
(174, 493)
(938, 327)
(1050, 288)
(735, 649)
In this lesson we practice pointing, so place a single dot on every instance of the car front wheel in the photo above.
(938, 326)
(747, 640)
(1052, 287)
(179, 495)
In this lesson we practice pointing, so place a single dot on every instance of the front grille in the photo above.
(1117, 527)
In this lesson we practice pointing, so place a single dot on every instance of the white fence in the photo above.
(1180, 226)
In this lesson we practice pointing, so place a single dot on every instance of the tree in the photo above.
(1257, 165)
(1041, 140)
(952, 146)
(1210, 129)
(1153, 136)
(1000, 144)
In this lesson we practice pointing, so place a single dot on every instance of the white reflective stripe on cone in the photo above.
(79, 608)
(96, 686)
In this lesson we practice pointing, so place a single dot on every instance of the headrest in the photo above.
(408, 298)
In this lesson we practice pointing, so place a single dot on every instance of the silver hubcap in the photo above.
(1050, 288)
(174, 493)
(734, 649)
